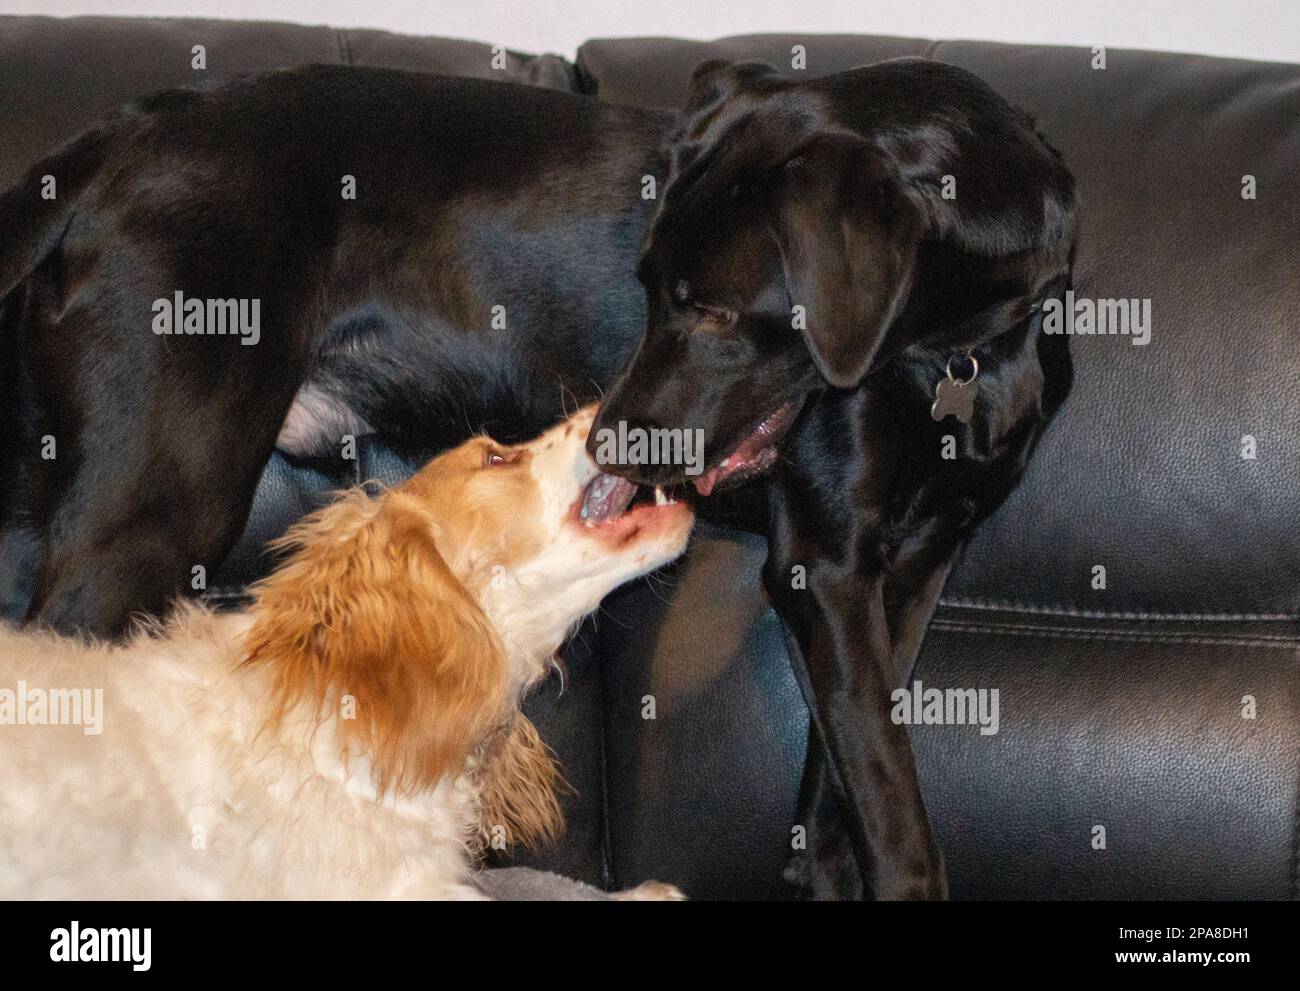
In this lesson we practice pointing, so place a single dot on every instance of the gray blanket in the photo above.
(523, 884)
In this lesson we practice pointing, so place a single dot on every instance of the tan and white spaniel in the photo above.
(356, 732)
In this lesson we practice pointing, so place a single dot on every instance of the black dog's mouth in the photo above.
(753, 455)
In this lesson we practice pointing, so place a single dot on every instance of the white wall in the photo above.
(1264, 29)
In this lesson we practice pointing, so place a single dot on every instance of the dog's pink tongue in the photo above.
(607, 496)
(753, 451)
(704, 484)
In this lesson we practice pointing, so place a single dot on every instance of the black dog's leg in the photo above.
(826, 577)
(146, 473)
(840, 638)
(826, 870)
(911, 596)
(127, 534)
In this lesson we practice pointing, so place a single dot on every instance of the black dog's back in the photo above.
(434, 255)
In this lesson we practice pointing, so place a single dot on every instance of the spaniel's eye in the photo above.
(495, 456)
(682, 291)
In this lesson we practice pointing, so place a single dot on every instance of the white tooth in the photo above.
(725, 462)
(660, 498)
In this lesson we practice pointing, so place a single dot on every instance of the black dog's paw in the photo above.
(796, 872)
(838, 881)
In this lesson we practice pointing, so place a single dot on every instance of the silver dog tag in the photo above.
(956, 397)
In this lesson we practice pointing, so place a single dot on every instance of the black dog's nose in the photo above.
(640, 450)
(615, 441)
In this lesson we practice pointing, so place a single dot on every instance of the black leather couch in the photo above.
(1121, 706)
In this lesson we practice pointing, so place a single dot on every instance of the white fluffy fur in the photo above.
(184, 796)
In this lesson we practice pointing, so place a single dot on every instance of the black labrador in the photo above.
(828, 259)
(423, 257)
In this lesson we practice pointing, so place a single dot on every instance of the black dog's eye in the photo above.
(719, 315)
(682, 291)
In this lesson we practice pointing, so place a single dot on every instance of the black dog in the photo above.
(483, 276)
(808, 273)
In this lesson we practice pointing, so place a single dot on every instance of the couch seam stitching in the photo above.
(1087, 631)
(1071, 611)
(1112, 635)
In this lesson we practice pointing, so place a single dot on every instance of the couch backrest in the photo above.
(59, 76)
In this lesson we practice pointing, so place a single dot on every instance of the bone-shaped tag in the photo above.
(953, 398)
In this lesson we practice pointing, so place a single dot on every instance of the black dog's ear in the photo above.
(848, 235)
(712, 84)
(718, 80)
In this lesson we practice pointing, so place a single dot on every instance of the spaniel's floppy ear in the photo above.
(848, 234)
(366, 619)
(518, 782)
